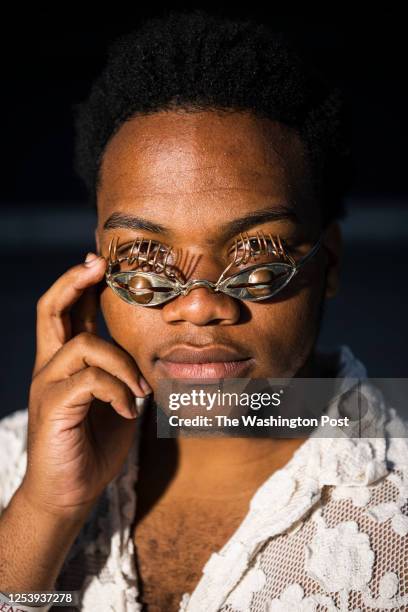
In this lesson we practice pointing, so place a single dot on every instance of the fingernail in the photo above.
(145, 386)
(91, 259)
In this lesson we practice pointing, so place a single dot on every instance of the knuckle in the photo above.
(84, 339)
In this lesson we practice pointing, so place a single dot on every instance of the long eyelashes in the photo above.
(247, 248)
(151, 255)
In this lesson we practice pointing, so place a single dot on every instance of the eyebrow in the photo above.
(118, 219)
(256, 217)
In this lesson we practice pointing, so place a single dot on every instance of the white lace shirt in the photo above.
(327, 532)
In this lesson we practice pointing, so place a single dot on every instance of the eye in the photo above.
(255, 247)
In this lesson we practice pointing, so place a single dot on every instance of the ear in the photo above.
(98, 246)
(334, 246)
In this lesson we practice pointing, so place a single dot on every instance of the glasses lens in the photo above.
(141, 288)
(258, 282)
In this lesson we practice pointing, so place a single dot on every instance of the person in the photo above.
(201, 131)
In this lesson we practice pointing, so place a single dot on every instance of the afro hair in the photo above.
(198, 61)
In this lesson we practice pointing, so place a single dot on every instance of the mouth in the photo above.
(206, 363)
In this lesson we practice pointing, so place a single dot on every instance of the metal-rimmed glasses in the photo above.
(155, 280)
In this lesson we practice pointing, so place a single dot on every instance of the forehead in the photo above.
(178, 163)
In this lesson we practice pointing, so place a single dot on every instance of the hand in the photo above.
(82, 411)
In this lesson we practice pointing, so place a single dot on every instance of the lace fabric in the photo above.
(327, 532)
(341, 556)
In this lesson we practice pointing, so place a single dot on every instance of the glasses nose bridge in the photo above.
(195, 284)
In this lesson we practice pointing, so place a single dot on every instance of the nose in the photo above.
(202, 306)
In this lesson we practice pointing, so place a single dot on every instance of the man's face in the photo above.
(192, 175)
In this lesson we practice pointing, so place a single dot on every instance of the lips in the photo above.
(203, 363)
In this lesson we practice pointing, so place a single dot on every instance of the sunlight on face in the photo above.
(196, 180)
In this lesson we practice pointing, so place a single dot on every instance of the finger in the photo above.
(88, 350)
(69, 400)
(53, 309)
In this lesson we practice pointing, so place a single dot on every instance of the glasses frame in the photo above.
(173, 287)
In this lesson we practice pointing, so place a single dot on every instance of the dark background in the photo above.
(48, 62)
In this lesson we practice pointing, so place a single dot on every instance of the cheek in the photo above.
(127, 325)
(287, 331)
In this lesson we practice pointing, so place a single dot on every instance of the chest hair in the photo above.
(173, 545)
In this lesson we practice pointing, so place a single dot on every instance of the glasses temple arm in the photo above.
(311, 253)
